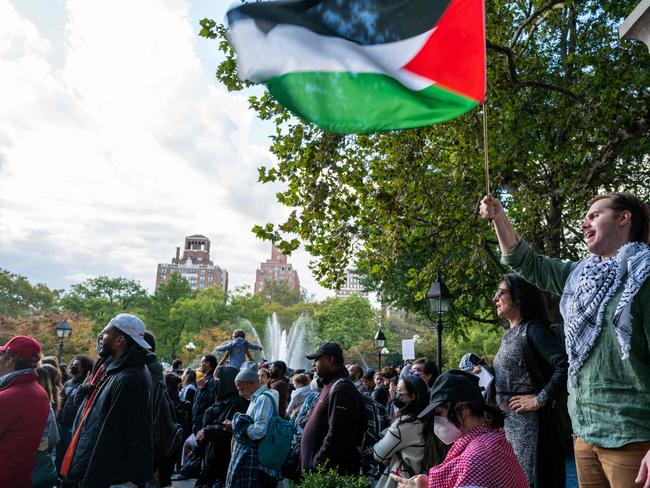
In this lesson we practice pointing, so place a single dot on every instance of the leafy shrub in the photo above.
(328, 478)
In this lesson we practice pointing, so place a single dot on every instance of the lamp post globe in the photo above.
(439, 299)
(190, 347)
(63, 331)
(379, 340)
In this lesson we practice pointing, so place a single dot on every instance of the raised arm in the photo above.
(491, 209)
(546, 273)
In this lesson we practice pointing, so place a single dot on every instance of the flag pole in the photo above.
(485, 150)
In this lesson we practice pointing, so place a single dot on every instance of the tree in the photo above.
(569, 117)
(279, 292)
(206, 308)
(346, 322)
(482, 339)
(159, 320)
(18, 297)
(102, 298)
(253, 308)
(43, 328)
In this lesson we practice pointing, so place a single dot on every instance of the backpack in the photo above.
(183, 412)
(375, 417)
(168, 435)
(274, 447)
(535, 367)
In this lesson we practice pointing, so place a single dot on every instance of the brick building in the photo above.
(276, 269)
(195, 265)
(350, 286)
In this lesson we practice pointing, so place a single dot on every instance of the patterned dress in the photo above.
(512, 378)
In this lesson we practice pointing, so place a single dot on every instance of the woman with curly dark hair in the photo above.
(530, 373)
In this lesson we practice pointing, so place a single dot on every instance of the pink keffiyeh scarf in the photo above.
(482, 458)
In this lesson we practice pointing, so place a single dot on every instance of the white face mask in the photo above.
(314, 386)
(445, 430)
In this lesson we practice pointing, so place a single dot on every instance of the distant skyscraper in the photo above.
(195, 265)
(350, 286)
(276, 269)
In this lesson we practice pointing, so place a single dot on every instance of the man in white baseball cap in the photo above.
(130, 325)
(112, 442)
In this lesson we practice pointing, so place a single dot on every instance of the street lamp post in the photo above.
(383, 352)
(63, 331)
(380, 340)
(190, 347)
(439, 302)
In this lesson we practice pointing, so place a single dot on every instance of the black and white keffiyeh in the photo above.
(597, 283)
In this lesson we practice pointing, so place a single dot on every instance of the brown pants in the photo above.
(600, 467)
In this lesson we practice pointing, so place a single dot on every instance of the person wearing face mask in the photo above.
(70, 400)
(481, 456)
(402, 447)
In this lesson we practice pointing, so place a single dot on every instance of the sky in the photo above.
(117, 141)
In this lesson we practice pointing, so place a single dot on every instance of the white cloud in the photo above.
(116, 142)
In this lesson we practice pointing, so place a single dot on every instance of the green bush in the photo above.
(328, 478)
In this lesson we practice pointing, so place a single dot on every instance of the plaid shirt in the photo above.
(248, 430)
(243, 470)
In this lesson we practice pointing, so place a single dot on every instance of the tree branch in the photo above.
(610, 151)
(517, 83)
(550, 5)
(493, 257)
(477, 319)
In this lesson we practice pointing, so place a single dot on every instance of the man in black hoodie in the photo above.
(112, 442)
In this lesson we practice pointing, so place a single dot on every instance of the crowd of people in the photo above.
(579, 390)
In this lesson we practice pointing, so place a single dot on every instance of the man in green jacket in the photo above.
(606, 309)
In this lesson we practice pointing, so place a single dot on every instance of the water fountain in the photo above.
(288, 346)
(363, 362)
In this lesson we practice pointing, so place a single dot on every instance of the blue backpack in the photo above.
(274, 447)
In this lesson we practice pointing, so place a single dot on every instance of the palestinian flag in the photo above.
(365, 65)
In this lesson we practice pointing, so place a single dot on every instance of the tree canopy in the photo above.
(18, 297)
(569, 113)
(102, 298)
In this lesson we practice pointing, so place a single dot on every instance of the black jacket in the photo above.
(68, 409)
(227, 403)
(116, 442)
(203, 399)
(381, 394)
(546, 361)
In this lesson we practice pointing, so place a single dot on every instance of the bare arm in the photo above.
(491, 209)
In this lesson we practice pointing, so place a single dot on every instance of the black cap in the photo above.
(453, 386)
(329, 348)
